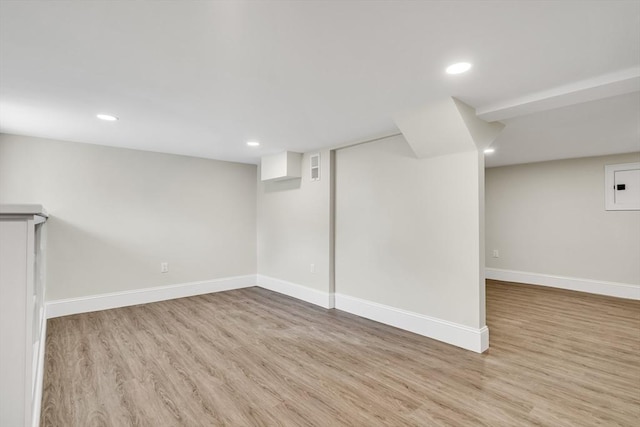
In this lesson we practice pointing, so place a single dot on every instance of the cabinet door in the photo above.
(13, 286)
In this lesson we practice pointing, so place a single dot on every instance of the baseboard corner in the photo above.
(294, 290)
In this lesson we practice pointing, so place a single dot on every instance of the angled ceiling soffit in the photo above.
(445, 127)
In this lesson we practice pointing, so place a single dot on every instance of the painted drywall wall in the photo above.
(550, 218)
(294, 227)
(409, 230)
(116, 214)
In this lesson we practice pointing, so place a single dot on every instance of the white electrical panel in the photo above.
(622, 187)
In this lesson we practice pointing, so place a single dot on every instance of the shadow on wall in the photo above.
(285, 185)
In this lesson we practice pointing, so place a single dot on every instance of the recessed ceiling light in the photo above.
(107, 117)
(489, 150)
(458, 68)
(253, 143)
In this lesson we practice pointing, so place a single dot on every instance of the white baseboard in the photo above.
(310, 295)
(459, 335)
(65, 307)
(613, 289)
(469, 338)
(39, 384)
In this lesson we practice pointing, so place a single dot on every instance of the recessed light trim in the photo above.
(458, 68)
(107, 117)
(253, 143)
(489, 150)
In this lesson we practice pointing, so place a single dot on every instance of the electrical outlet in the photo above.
(164, 267)
(495, 254)
(312, 268)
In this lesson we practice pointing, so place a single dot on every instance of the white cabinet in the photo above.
(22, 317)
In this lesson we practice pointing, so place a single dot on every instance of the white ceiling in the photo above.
(202, 78)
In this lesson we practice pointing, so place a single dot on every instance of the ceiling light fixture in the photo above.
(253, 143)
(107, 117)
(458, 68)
(489, 150)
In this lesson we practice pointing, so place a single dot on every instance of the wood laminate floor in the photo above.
(253, 357)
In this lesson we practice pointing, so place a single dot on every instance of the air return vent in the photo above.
(314, 162)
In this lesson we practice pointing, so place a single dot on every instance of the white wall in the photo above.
(549, 218)
(294, 228)
(409, 231)
(117, 213)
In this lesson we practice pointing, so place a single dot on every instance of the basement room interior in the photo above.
(319, 213)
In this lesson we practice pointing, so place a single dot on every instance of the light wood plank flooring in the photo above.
(252, 357)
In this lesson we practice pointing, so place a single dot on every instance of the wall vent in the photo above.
(314, 162)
